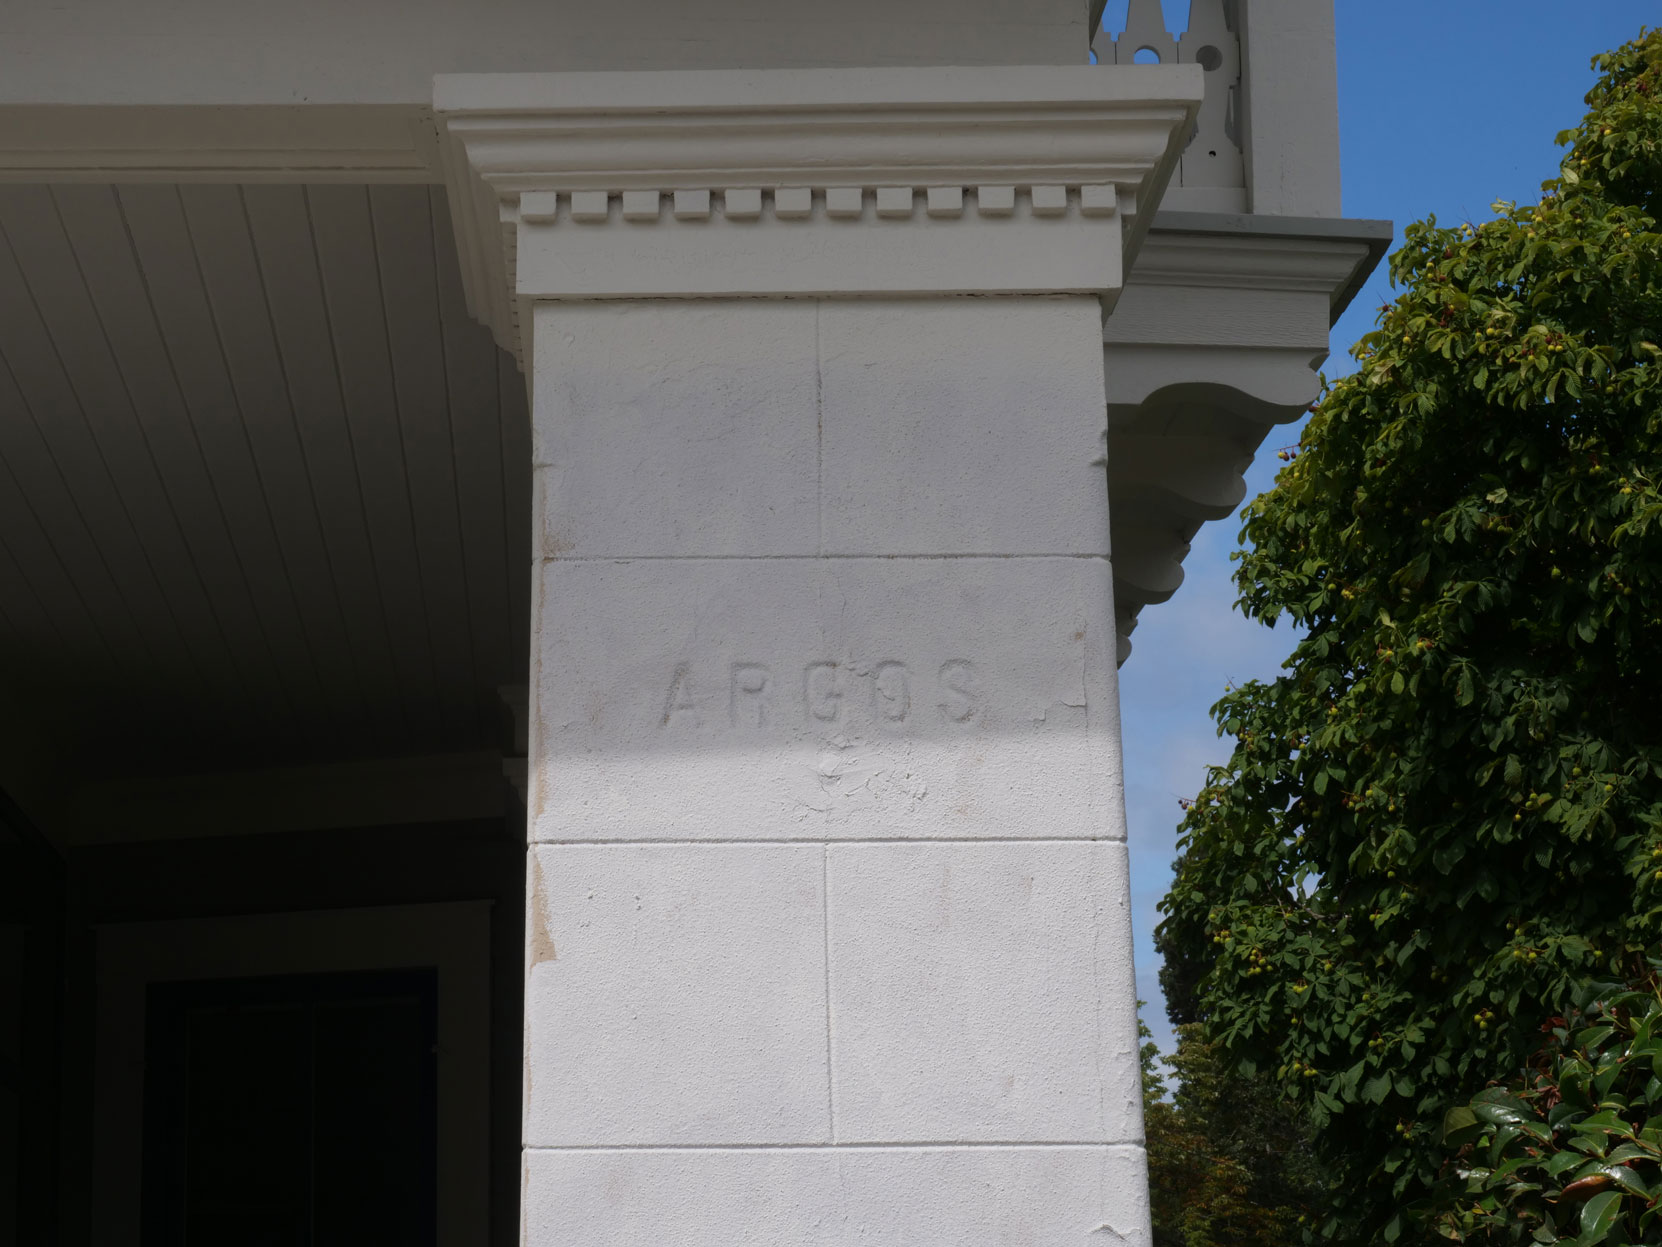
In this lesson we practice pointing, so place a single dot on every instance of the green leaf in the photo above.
(1562, 1161)
(1593, 1036)
(1633, 1151)
(1626, 1178)
(1460, 1125)
(1465, 690)
(1601, 1123)
(1598, 1217)
(1498, 1107)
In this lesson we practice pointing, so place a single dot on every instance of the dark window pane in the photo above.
(372, 1139)
(247, 1103)
(295, 1111)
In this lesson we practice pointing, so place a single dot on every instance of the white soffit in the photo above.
(264, 486)
(800, 183)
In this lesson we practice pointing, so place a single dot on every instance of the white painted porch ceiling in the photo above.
(264, 487)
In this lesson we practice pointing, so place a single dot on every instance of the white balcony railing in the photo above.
(1267, 141)
(1212, 164)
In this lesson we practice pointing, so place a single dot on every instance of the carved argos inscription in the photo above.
(750, 692)
(755, 695)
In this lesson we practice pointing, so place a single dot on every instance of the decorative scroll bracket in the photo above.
(1216, 339)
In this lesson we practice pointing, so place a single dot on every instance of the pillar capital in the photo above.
(804, 183)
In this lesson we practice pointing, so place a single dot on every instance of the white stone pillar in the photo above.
(829, 932)
(1290, 107)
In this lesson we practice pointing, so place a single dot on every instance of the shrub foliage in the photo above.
(1575, 1156)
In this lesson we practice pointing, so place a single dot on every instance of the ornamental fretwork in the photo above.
(1213, 156)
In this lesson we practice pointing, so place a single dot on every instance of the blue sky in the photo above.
(1443, 108)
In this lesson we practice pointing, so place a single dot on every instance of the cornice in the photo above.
(1247, 262)
(804, 183)
(1329, 256)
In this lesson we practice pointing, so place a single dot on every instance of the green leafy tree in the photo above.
(1445, 817)
(1229, 1159)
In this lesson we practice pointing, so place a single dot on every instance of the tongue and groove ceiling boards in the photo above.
(264, 486)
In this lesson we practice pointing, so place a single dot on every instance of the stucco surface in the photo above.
(946, 426)
(668, 430)
(804, 698)
(978, 993)
(844, 1197)
(938, 438)
(676, 995)
(728, 994)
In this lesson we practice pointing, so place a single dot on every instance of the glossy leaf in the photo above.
(1598, 1217)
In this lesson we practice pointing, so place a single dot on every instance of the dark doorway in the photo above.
(292, 1111)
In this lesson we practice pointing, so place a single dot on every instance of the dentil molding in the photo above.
(801, 183)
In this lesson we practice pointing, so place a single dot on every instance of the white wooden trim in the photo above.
(193, 143)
